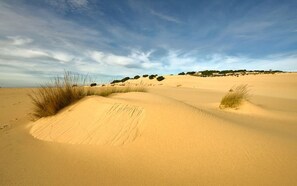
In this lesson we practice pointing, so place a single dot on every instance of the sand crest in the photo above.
(93, 120)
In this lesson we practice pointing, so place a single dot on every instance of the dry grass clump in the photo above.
(235, 96)
(106, 91)
(52, 97)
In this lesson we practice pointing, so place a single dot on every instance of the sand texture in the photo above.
(174, 134)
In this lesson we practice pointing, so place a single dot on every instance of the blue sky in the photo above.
(114, 38)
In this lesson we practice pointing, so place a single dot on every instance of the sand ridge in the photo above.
(93, 120)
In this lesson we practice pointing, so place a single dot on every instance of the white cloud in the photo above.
(141, 56)
(286, 62)
(22, 53)
(45, 28)
(18, 50)
(64, 57)
(111, 59)
(164, 17)
(19, 40)
(136, 59)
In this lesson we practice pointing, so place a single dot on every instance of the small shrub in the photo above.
(120, 81)
(93, 84)
(160, 78)
(182, 73)
(152, 76)
(234, 97)
(125, 79)
(115, 81)
(145, 75)
(136, 77)
(191, 73)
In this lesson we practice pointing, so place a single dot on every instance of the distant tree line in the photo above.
(207, 73)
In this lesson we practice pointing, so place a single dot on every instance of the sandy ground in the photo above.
(174, 134)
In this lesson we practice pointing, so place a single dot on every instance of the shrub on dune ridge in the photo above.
(234, 97)
(120, 81)
(160, 78)
(152, 76)
(136, 77)
(52, 97)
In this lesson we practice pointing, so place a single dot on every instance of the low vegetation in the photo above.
(152, 76)
(182, 73)
(213, 73)
(234, 97)
(106, 91)
(116, 81)
(92, 84)
(191, 73)
(160, 78)
(52, 97)
(120, 81)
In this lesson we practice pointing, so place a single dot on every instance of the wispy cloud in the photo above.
(19, 40)
(136, 59)
(165, 17)
(68, 5)
(78, 3)
(112, 59)
(22, 51)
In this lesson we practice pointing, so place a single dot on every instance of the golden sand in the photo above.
(174, 134)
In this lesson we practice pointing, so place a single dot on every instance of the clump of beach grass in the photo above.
(50, 98)
(106, 91)
(235, 97)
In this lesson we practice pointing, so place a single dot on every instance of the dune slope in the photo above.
(93, 120)
(182, 143)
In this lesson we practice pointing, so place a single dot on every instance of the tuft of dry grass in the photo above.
(50, 98)
(235, 96)
(106, 91)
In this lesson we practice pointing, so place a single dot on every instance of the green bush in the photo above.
(182, 73)
(93, 84)
(191, 73)
(116, 81)
(120, 81)
(152, 76)
(160, 78)
(125, 79)
(136, 77)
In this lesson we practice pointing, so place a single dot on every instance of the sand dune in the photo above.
(93, 120)
(171, 135)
